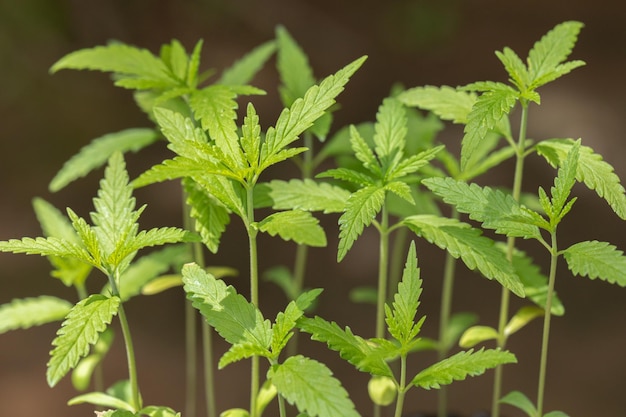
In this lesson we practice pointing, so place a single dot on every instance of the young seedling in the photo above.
(373, 355)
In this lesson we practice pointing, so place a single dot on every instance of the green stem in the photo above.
(546, 326)
(383, 261)
(254, 291)
(520, 152)
(444, 321)
(128, 342)
(190, 359)
(209, 378)
(401, 387)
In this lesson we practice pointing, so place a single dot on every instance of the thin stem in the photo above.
(546, 326)
(383, 261)
(209, 378)
(128, 342)
(518, 176)
(254, 292)
(191, 353)
(401, 387)
(299, 271)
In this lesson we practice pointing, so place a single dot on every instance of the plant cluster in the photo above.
(390, 174)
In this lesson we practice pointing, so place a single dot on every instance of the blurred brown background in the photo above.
(45, 119)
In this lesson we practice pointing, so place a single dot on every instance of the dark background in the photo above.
(45, 119)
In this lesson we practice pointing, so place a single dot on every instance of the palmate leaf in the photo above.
(232, 316)
(134, 67)
(33, 311)
(446, 102)
(495, 102)
(400, 317)
(81, 328)
(299, 194)
(362, 208)
(310, 386)
(493, 208)
(595, 259)
(546, 56)
(354, 349)
(304, 111)
(297, 225)
(592, 170)
(97, 152)
(211, 217)
(465, 242)
(460, 366)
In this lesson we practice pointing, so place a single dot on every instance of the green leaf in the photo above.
(493, 208)
(461, 365)
(447, 103)
(362, 208)
(81, 328)
(521, 401)
(477, 334)
(33, 311)
(251, 138)
(592, 170)
(286, 321)
(299, 194)
(159, 411)
(563, 183)
(400, 317)
(98, 151)
(103, 400)
(354, 349)
(459, 323)
(134, 67)
(516, 68)
(463, 241)
(211, 217)
(46, 247)
(597, 260)
(304, 111)
(70, 271)
(390, 133)
(546, 56)
(521, 318)
(149, 238)
(296, 74)
(297, 225)
(244, 69)
(363, 152)
(310, 386)
(232, 316)
(492, 105)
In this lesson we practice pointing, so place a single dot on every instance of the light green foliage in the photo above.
(297, 225)
(304, 194)
(309, 385)
(597, 260)
(81, 328)
(33, 311)
(519, 400)
(211, 217)
(384, 168)
(596, 173)
(467, 243)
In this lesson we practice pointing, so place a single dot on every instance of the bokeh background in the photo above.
(46, 118)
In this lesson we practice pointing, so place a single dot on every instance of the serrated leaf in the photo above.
(563, 183)
(244, 69)
(240, 351)
(460, 366)
(299, 194)
(411, 164)
(550, 51)
(286, 320)
(400, 317)
(211, 217)
(389, 133)
(296, 74)
(310, 386)
(98, 151)
(354, 349)
(46, 247)
(596, 259)
(446, 102)
(493, 208)
(304, 111)
(134, 67)
(463, 241)
(362, 208)
(297, 225)
(32, 311)
(251, 138)
(349, 175)
(232, 316)
(592, 170)
(81, 328)
(363, 152)
(515, 67)
(152, 237)
(490, 107)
